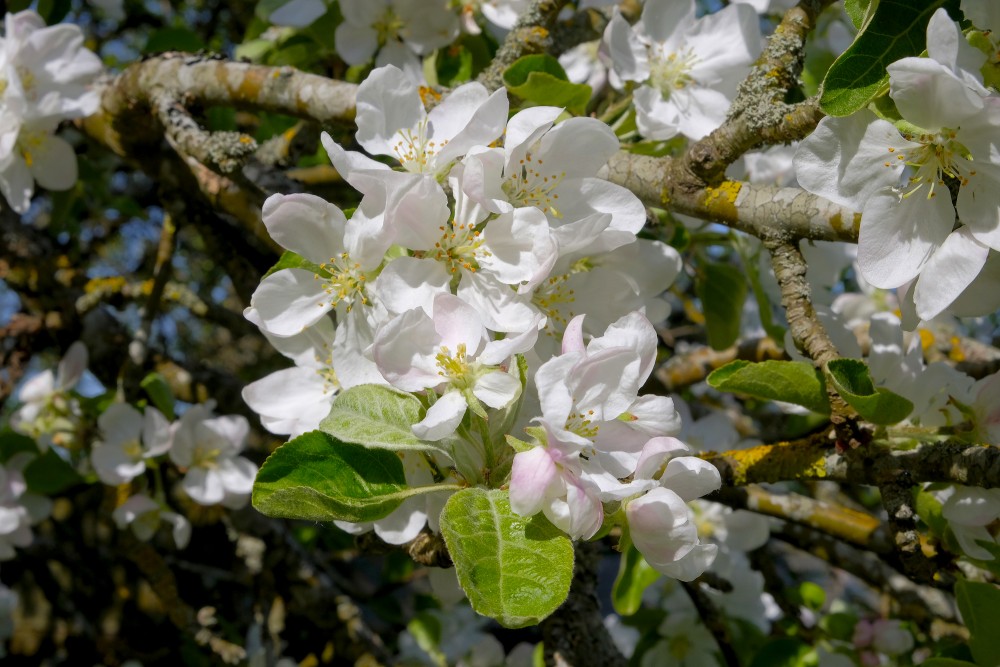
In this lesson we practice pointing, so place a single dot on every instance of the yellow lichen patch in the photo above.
(721, 201)
(837, 222)
(856, 227)
(538, 32)
(801, 459)
(105, 285)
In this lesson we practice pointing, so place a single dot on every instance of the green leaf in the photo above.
(980, 606)
(946, 662)
(12, 442)
(929, 510)
(812, 595)
(852, 381)
(377, 416)
(156, 387)
(858, 10)
(318, 478)
(897, 29)
(541, 79)
(50, 474)
(722, 289)
(782, 652)
(173, 39)
(795, 382)
(839, 625)
(513, 569)
(53, 11)
(635, 575)
(291, 260)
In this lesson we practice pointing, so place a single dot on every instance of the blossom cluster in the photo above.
(45, 78)
(914, 175)
(492, 240)
(203, 446)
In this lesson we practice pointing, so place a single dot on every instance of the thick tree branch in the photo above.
(531, 34)
(951, 461)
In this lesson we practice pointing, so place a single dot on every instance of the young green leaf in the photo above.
(319, 478)
(541, 79)
(722, 289)
(635, 575)
(513, 569)
(980, 606)
(291, 260)
(897, 29)
(795, 382)
(156, 387)
(852, 381)
(377, 416)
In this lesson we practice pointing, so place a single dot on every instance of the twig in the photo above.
(897, 498)
(714, 621)
(221, 151)
(531, 34)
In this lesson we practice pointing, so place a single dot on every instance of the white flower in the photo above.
(144, 515)
(295, 400)
(687, 643)
(884, 635)
(449, 351)
(289, 300)
(50, 414)
(399, 30)
(969, 510)
(208, 449)
(19, 509)
(298, 13)
(688, 69)
(908, 221)
(391, 121)
(121, 456)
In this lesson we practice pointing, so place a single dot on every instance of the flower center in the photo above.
(680, 646)
(672, 71)
(531, 184)
(454, 368)
(30, 143)
(582, 424)
(549, 296)
(133, 450)
(939, 157)
(346, 282)
(413, 150)
(459, 247)
(388, 25)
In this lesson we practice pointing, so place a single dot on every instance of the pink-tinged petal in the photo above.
(691, 477)
(305, 224)
(458, 325)
(289, 300)
(409, 282)
(442, 418)
(899, 234)
(628, 54)
(204, 486)
(632, 331)
(847, 160)
(416, 210)
(387, 103)
(661, 526)
(949, 272)
(555, 397)
(404, 350)
(572, 341)
(929, 95)
(501, 309)
(532, 478)
(586, 513)
(497, 389)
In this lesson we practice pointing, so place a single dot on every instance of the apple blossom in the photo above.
(128, 440)
(19, 508)
(207, 448)
(50, 414)
(143, 515)
(969, 511)
(687, 68)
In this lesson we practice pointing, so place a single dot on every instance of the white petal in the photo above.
(297, 14)
(72, 366)
(237, 475)
(929, 95)
(898, 235)
(949, 272)
(289, 300)
(120, 423)
(387, 102)
(691, 565)
(305, 224)
(53, 164)
(628, 54)
(355, 44)
(497, 389)
(442, 418)
(691, 477)
(409, 282)
(203, 486)
(114, 466)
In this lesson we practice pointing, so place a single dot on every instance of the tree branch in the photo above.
(531, 34)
